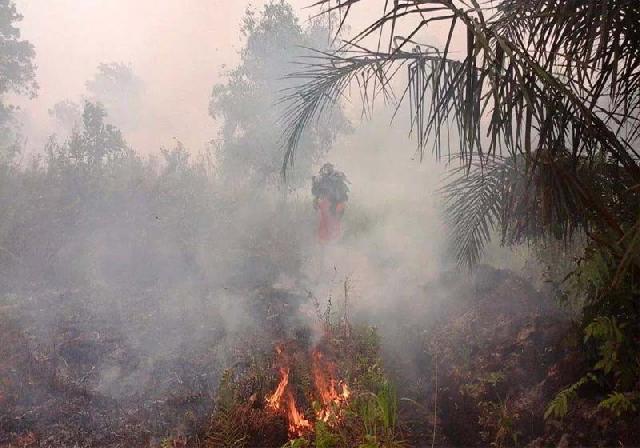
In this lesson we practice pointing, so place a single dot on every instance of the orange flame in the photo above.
(298, 425)
(273, 400)
(327, 387)
(332, 394)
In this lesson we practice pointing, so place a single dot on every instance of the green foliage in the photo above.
(619, 403)
(608, 333)
(379, 414)
(17, 70)
(297, 443)
(119, 90)
(369, 413)
(473, 206)
(92, 214)
(609, 314)
(592, 272)
(67, 115)
(559, 406)
(504, 423)
(609, 317)
(91, 148)
(17, 75)
(387, 405)
(324, 436)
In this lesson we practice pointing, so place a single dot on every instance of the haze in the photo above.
(178, 48)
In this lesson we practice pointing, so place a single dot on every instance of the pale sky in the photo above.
(178, 47)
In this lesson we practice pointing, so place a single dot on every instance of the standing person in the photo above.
(330, 193)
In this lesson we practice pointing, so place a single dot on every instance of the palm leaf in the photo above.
(541, 82)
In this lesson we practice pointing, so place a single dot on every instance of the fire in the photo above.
(298, 425)
(282, 398)
(273, 400)
(327, 387)
(330, 393)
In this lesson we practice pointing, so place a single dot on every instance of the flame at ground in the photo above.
(282, 398)
(298, 425)
(330, 394)
(273, 400)
(327, 387)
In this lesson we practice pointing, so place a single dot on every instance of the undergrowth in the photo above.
(369, 419)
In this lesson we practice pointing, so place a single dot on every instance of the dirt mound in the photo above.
(503, 351)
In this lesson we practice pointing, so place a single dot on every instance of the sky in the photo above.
(178, 47)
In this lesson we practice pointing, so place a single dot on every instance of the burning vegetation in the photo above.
(317, 393)
(328, 395)
(283, 400)
(182, 300)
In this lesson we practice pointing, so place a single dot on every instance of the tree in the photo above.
(90, 148)
(17, 70)
(120, 90)
(67, 116)
(248, 105)
(545, 101)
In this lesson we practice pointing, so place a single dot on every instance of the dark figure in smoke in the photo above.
(330, 193)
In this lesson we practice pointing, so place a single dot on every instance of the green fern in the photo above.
(559, 406)
(609, 334)
(619, 403)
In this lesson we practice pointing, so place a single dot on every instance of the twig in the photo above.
(346, 285)
(435, 404)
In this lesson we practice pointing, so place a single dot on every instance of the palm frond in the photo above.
(473, 208)
(527, 202)
(551, 85)
(326, 77)
(524, 69)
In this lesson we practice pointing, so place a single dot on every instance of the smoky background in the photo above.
(162, 262)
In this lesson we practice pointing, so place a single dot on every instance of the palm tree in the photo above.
(544, 99)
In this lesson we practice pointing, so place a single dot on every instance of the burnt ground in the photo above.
(78, 369)
(90, 379)
(80, 380)
(503, 351)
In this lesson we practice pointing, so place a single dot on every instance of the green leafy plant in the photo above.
(504, 422)
(300, 442)
(387, 405)
(619, 403)
(379, 414)
(608, 333)
(324, 437)
(559, 406)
